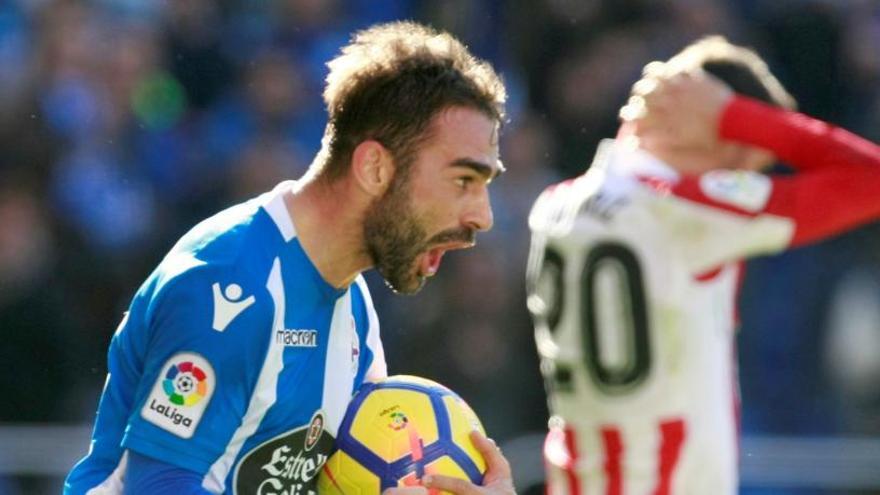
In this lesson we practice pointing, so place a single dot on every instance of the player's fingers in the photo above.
(496, 463)
(655, 132)
(670, 87)
(641, 106)
(645, 86)
(409, 490)
(661, 93)
(450, 484)
(633, 110)
(655, 69)
(656, 119)
(652, 119)
(658, 106)
(697, 74)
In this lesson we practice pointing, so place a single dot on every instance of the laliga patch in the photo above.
(180, 395)
(748, 191)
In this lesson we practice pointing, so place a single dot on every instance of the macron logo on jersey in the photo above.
(228, 304)
(297, 337)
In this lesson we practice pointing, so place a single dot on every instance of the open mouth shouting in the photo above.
(429, 262)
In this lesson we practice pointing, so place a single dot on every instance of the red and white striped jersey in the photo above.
(633, 274)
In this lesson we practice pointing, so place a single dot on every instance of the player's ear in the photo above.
(372, 167)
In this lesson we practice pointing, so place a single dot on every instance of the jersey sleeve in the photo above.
(148, 475)
(720, 217)
(725, 214)
(206, 331)
(837, 187)
(799, 140)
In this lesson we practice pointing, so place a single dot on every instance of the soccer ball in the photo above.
(398, 430)
(185, 384)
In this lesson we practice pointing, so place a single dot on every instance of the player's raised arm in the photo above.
(839, 172)
(838, 176)
(696, 109)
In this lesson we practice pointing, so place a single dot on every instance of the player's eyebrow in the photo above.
(485, 170)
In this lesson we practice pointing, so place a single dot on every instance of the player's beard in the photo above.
(395, 237)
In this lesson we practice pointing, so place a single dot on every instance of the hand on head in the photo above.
(496, 481)
(676, 110)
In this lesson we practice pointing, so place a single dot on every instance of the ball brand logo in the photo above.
(398, 421)
(185, 384)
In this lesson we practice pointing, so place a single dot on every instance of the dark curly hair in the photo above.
(389, 82)
(740, 67)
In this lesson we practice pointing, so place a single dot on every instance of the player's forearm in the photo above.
(838, 189)
(797, 139)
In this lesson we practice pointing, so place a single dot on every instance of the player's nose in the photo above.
(478, 216)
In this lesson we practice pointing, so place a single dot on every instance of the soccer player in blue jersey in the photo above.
(232, 369)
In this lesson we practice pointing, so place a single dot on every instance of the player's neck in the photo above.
(723, 156)
(329, 224)
(682, 161)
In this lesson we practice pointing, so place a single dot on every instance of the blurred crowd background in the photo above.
(125, 122)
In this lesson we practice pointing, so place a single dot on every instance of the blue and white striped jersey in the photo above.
(236, 360)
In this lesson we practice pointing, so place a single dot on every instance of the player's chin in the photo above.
(408, 283)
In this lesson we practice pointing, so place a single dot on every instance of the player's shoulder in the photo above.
(561, 203)
(720, 193)
(218, 291)
(239, 242)
(564, 199)
(226, 257)
(228, 235)
(550, 201)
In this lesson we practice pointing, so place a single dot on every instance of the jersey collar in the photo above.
(623, 157)
(277, 210)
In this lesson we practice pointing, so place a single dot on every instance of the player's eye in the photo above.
(464, 181)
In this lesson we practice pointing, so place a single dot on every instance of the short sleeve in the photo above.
(206, 331)
(722, 216)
